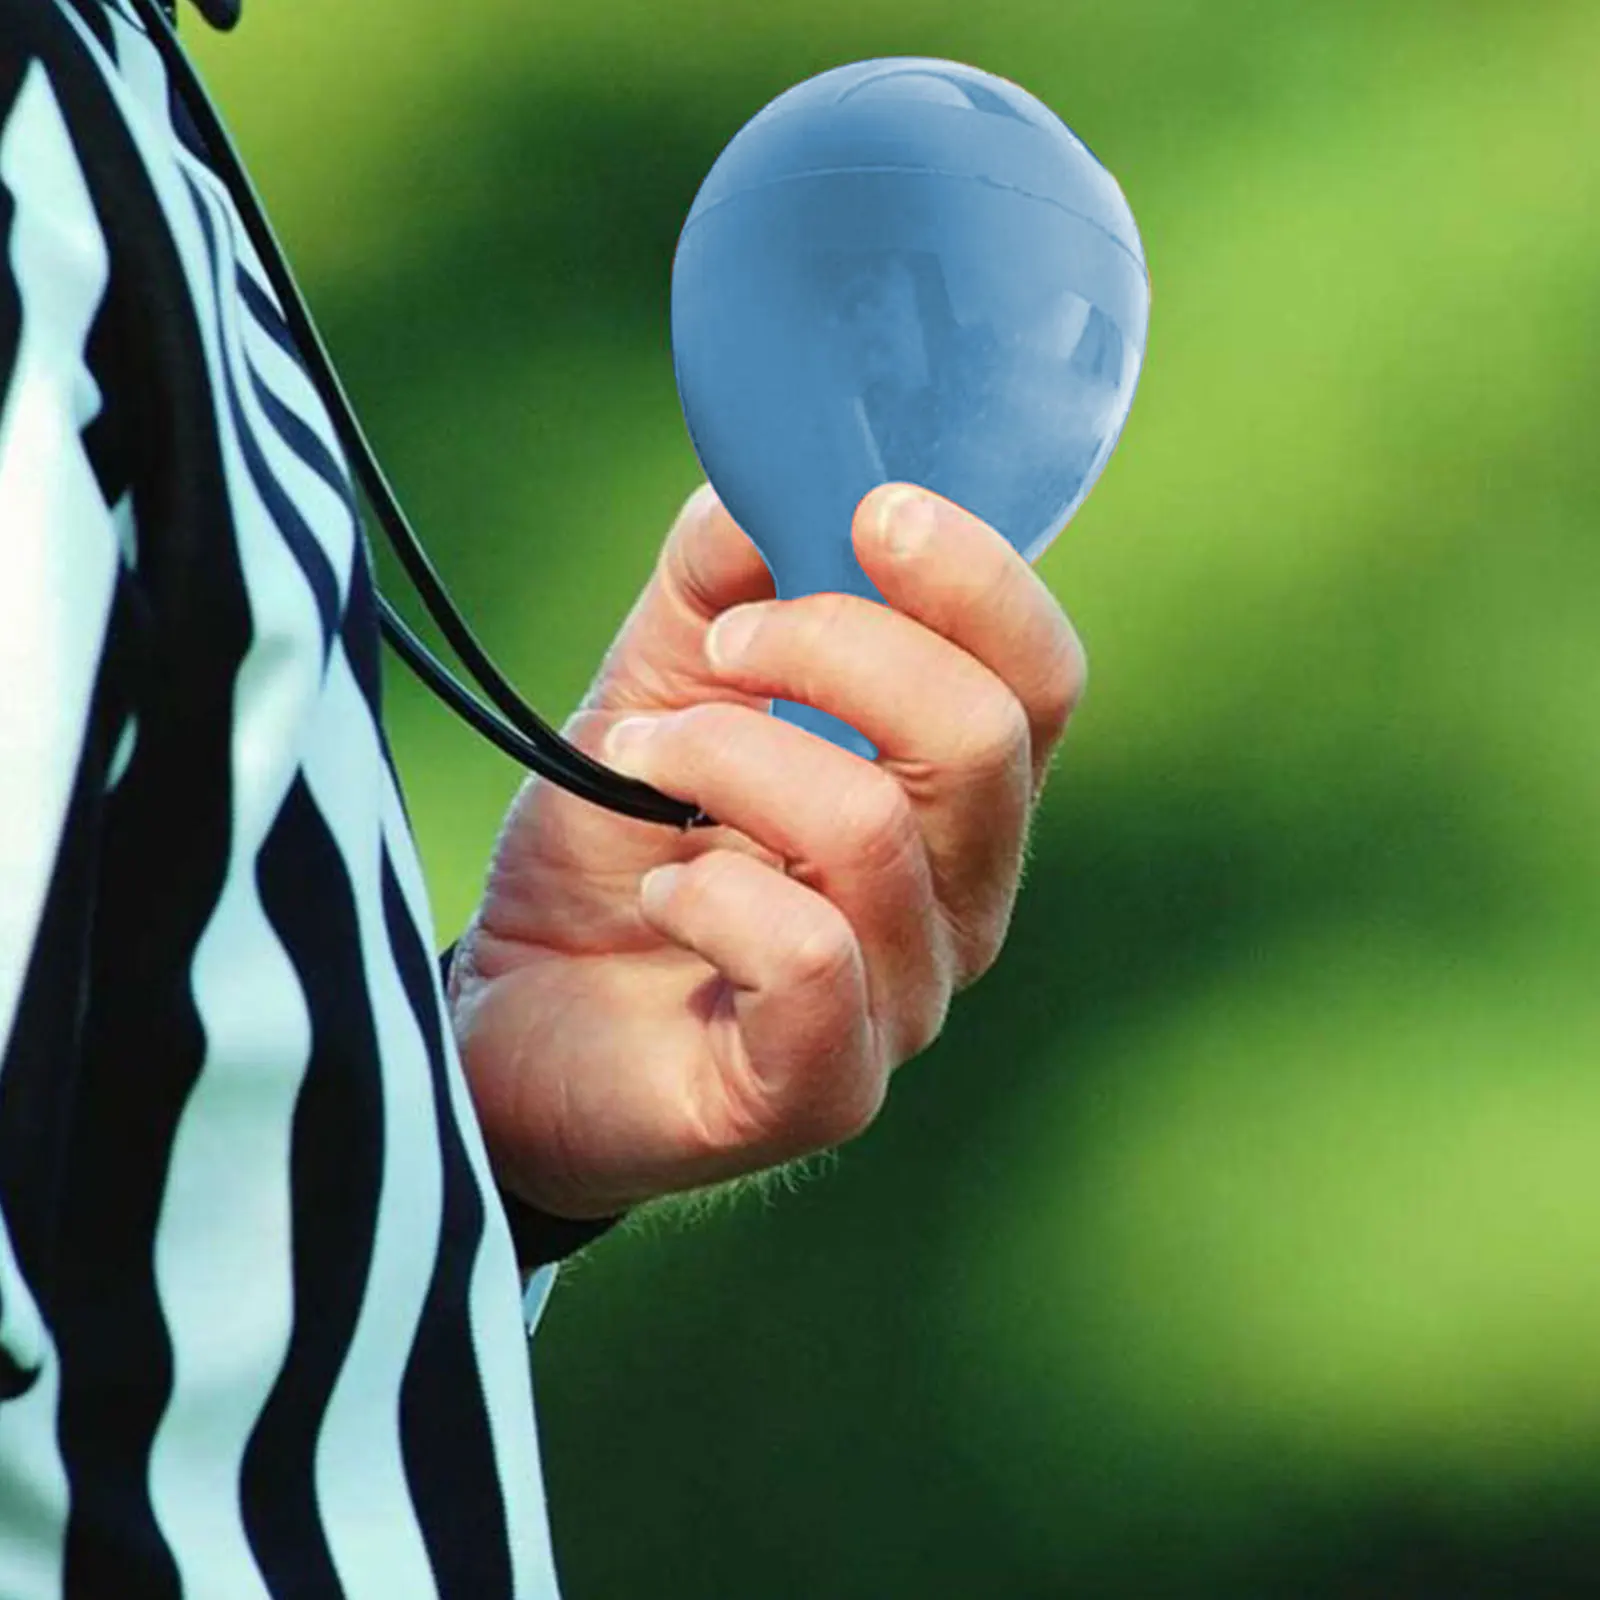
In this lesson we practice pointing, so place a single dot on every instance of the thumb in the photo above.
(657, 660)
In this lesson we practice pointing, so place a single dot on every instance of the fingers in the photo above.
(966, 581)
(708, 560)
(918, 697)
(845, 828)
(658, 659)
(947, 729)
(965, 687)
(801, 1070)
(566, 872)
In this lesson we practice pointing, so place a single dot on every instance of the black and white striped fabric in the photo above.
(261, 1326)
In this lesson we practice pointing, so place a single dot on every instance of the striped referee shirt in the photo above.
(260, 1331)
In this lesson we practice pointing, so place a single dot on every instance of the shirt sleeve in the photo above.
(60, 563)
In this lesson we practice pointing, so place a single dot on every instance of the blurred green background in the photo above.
(1241, 1236)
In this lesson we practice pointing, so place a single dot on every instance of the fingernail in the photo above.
(728, 637)
(905, 520)
(698, 503)
(625, 744)
(656, 884)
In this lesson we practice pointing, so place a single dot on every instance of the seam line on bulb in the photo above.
(924, 172)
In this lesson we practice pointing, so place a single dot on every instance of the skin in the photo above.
(625, 1043)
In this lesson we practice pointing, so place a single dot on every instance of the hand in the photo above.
(750, 1006)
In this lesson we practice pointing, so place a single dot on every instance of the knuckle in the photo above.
(1064, 684)
(826, 954)
(927, 1022)
(843, 1090)
(980, 944)
(857, 1109)
(877, 820)
(997, 734)
(842, 1109)
(983, 954)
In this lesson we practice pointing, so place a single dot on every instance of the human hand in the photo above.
(749, 1007)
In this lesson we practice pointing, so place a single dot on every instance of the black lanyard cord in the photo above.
(221, 14)
(518, 730)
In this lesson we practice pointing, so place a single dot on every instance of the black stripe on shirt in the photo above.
(298, 435)
(285, 514)
(13, 69)
(155, 900)
(448, 1446)
(336, 1168)
(105, 438)
(38, 1085)
(271, 320)
(95, 19)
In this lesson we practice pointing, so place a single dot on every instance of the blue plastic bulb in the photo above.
(903, 269)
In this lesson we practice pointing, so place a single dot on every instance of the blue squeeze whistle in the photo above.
(903, 269)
